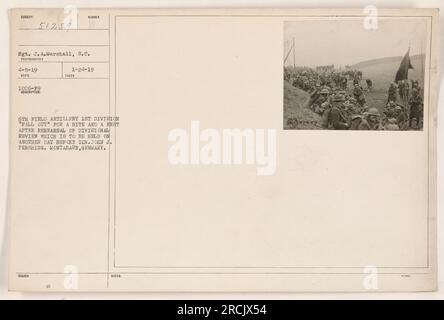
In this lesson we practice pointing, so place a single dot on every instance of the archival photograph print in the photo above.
(342, 75)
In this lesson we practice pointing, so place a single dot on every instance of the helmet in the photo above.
(391, 126)
(399, 108)
(373, 112)
(338, 98)
(392, 120)
(324, 91)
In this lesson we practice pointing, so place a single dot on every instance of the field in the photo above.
(295, 107)
(381, 71)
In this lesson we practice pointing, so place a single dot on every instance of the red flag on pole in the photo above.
(403, 71)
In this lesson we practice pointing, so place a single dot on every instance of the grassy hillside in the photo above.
(388, 60)
(295, 107)
(382, 72)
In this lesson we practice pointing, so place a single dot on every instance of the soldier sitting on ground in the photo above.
(413, 124)
(371, 120)
(415, 84)
(318, 107)
(314, 94)
(391, 125)
(337, 118)
(389, 111)
(355, 121)
(401, 117)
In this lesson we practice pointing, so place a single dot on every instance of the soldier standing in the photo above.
(392, 93)
(369, 85)
(359, 94)
(406, 88)
(415, 107)
(344, 82)
(401, 88)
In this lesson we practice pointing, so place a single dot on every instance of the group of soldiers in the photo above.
(412, 98)
(344, 108)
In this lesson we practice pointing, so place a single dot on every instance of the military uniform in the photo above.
(401, 118)
(359, 95)
(355, 122)
(392, 93)
(415, 108)
(401, 88)
(369, 84)
(337, 119)
(391, 125)
(366, 124)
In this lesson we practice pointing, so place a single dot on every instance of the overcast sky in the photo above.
(343, 42)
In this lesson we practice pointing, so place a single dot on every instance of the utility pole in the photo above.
(288, 54)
